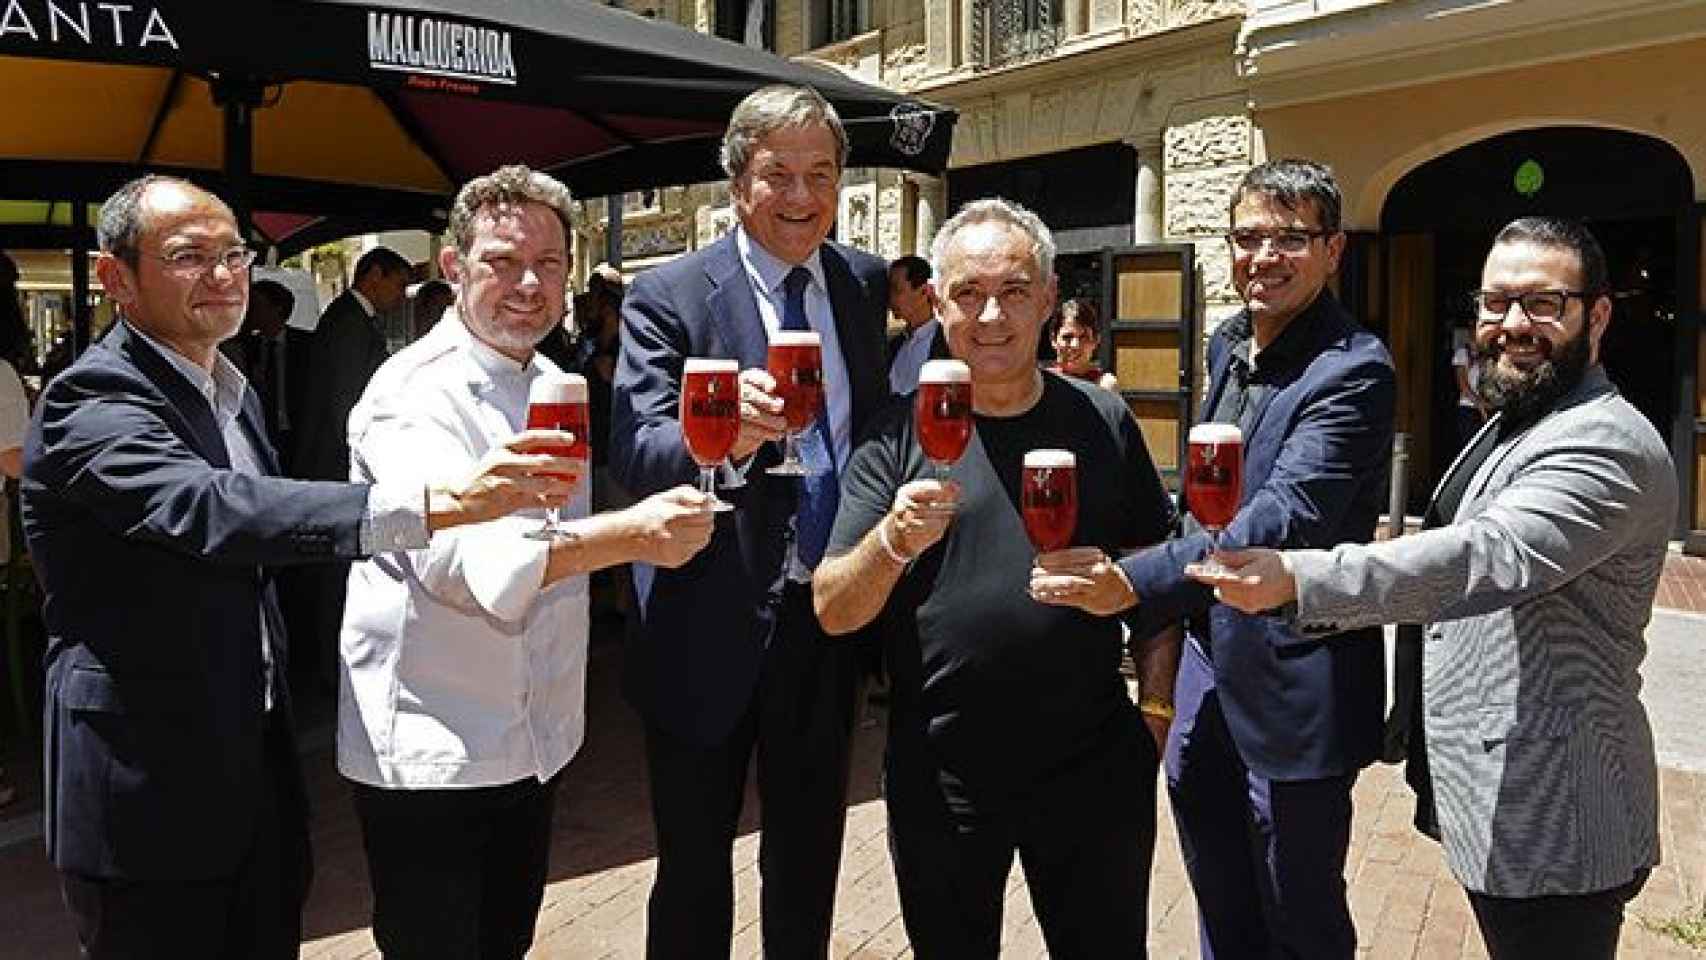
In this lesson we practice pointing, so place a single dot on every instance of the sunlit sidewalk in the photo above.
(1404, 903)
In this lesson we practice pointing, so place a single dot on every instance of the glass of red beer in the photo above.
(943, 412)
(1048, 494)
(1214, 481)
(710, 418)
(557, 401)
(795, 362)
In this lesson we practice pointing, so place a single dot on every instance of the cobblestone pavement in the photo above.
(1404, 902)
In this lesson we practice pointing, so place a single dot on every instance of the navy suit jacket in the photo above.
(694, 662)
(152, 556)
(1315, 468)
(342, 353)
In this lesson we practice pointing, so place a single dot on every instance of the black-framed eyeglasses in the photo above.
(1284, 241)
(1539, 306)
(194, 261)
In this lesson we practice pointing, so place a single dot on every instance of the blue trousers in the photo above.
(1266, 858)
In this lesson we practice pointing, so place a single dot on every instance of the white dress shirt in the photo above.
(460, 669)
(768, 276)
(909, 359)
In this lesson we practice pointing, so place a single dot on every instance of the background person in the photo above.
(432, 298)
(1076, 332)
(912, 299)
(340, 356)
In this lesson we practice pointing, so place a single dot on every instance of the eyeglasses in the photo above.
(1539, 306)
(1284, 241)
(194, 261)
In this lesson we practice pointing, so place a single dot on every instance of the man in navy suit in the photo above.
(728, 655)
(176, 812)
(1272, 727)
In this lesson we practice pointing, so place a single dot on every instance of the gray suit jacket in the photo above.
(1536, 598)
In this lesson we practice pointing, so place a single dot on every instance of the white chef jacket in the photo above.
(458, 670)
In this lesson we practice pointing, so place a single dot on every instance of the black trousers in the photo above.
(253, 914)
(1086, 838)
(1577, 927)
(800, 723)
(457, 873)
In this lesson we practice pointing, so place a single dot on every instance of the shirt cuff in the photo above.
(395, 520)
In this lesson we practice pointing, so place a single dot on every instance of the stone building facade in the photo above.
(1442, 118)
(1156, 77)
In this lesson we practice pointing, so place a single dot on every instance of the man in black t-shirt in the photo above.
(1011, 728)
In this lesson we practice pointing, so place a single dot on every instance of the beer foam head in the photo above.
(1053, 459)
(944, 371)
(711, 365)
(795, 338)
(557, 388)
(1216, 433)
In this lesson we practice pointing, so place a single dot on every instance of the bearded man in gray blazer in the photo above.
(1536, 585)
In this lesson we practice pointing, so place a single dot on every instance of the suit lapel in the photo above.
(201, 432)
(1594, 383)
(847, 303)
(732, 307)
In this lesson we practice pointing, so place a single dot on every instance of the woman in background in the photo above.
(1076, 333)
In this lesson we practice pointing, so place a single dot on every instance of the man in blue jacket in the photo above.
(176, 812)
(1272, 727)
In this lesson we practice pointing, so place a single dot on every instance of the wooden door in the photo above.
(1149, 298)
(1688, 443)
(1410, 317)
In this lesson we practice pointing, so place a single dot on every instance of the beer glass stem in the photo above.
(552, 529)
(708, 481)
(1212, 561)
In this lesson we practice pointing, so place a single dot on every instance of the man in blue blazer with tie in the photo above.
(728, 656)
(176, 812)
(1270, 731)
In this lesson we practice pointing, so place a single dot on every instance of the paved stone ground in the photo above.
(1404, 902)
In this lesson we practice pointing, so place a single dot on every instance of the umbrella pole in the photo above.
(613, 230)
(238, 98)
(79, 276)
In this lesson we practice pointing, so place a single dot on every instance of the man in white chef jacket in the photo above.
(462, 691)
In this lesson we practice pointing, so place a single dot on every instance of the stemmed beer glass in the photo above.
(558, 402)
(710, 418)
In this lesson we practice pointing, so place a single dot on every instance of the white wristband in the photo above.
(888, 548)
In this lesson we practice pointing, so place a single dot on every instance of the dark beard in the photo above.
(1523, 397)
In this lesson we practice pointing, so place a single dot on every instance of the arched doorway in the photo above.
(1634, 192)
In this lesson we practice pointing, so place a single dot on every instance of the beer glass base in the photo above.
(719, 506)
(551, 534)
(787, 469)
(1211, 565)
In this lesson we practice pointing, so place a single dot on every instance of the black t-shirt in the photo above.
(998, 688)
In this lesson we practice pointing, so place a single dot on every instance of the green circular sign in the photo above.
(1529, 178)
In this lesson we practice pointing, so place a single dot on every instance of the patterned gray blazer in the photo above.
(1536, 598)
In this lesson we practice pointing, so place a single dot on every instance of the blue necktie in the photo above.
(820, 488)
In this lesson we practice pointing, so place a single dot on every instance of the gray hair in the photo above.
(122, 220)
(507, 186)
(995, 210)
(772, 108)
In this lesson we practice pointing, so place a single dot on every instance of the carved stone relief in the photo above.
(856, 226)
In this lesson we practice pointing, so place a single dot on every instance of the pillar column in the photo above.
(1147, 215)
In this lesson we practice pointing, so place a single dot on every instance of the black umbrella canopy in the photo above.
(379, 109)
